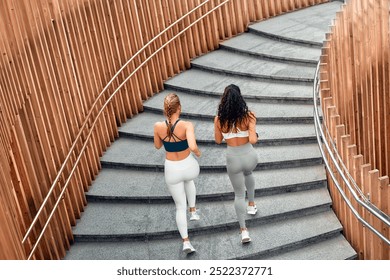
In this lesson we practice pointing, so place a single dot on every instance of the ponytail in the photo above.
(169, 115)
(171, 104)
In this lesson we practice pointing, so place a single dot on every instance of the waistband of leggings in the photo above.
(239, 150)
(180, 162)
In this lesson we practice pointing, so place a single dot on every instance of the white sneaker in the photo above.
(245, 237)
(187, 247)
(194, 216)
(251, 210)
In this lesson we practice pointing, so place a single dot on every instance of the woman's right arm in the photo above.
(190, 135)
(217, 131)
(157, 140)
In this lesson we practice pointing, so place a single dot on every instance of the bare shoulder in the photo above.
(158, 125)
(252, 114)
(187, 124)
(251, 117)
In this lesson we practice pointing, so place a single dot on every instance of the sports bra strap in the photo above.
(172, 129)
(173, 126)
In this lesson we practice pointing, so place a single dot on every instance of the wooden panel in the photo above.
(356, 71)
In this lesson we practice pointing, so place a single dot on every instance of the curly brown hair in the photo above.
(232, 109)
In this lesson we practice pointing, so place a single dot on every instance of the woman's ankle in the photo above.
(243, 229)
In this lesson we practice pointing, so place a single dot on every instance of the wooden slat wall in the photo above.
(56, 58)
(355, 85)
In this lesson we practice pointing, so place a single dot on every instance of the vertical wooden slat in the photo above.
(160, 58)
(116, 39)
(345, 142)
(384, 206)
(353, 221)
(176, 29)
(136, 83)
(357, 175)
(366, 188)
(375, 244)
(151, 32)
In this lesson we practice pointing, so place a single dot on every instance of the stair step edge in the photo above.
(173, 233)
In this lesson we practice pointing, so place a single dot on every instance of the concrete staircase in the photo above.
(130, 214)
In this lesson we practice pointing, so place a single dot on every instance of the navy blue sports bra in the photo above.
(179, 144)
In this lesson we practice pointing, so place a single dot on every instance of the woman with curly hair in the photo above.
(180, 167)
(237, 125)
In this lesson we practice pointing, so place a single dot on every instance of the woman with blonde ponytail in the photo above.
(180, 168)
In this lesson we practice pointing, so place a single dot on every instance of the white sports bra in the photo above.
(239, 133)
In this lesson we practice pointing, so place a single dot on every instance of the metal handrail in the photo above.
(99, 113)
(320, 135)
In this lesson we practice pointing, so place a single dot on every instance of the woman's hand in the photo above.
(198, 153)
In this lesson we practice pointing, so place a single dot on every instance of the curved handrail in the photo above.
(100, 112)
(320, 135)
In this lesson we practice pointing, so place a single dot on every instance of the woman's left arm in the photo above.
(252, 128)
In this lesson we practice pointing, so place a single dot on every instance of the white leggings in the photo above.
(179, 176)
(240, 162)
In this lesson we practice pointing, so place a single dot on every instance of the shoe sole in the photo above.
(188, 251)
(193, 219)
(253, 212)
(246, 240)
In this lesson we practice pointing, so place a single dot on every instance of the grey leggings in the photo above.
(240, 162)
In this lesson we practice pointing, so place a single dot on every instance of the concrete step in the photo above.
(272, 49)
(129, 185)
(139, 221)
(305, 26)
(206, 108)
(336, 248)
(141, 155)
(276, 237)
(269, 133)
(231, 63)
(203, 83)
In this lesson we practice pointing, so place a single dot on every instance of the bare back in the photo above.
(180, 131)
(249, 124)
